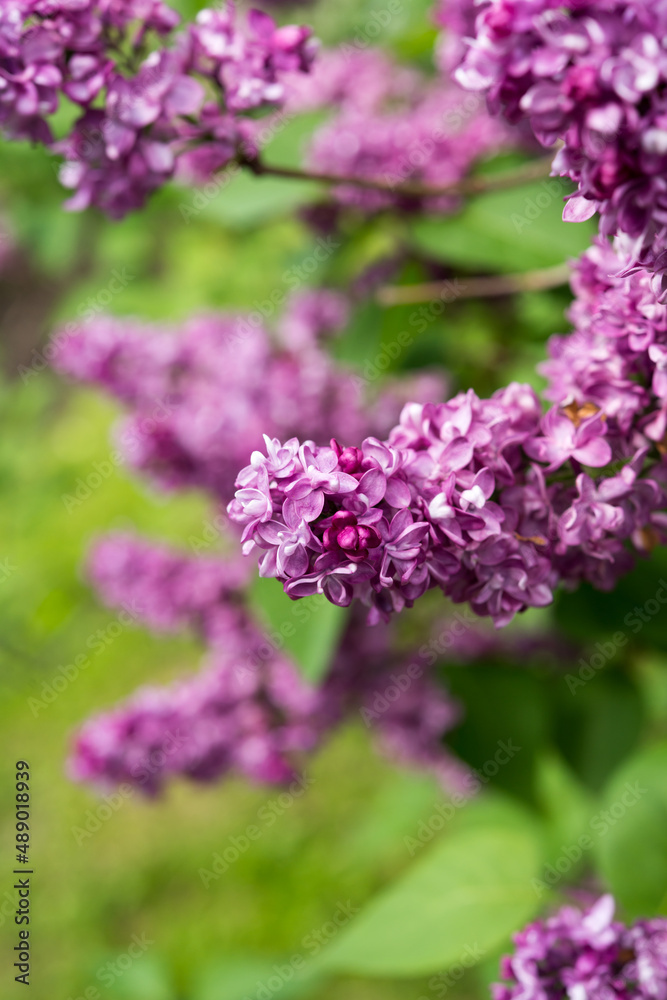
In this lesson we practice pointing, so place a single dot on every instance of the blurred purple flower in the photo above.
(587, 954)
(204, 398)
(248, 710)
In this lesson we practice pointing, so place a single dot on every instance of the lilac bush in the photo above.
(249, 710)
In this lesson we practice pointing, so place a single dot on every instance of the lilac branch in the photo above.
(534, 170)
(477, 288)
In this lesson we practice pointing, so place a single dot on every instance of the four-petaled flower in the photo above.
(564, 439)
(320, 476)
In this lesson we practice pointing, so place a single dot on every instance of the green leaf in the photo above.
(564, 802)
(652, 680)
(308, 630)
(236, 978)
(506, 231)
(470, 892)
(289, 139)
(391, 815)
(597, 726)
(504, 704)
(251, 201)
(148, 979)
(635, 608)
(631, 828)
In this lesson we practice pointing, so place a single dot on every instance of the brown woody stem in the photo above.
(476, 288)
(534, 170)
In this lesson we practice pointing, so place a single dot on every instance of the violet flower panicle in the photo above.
(586, 954)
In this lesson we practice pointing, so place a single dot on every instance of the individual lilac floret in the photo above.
(202, 397)
(590, 73)
(489, 500)
(587, 954)
(564, 438)
(152, 100)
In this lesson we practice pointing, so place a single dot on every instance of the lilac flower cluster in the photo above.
(249, 710)
(201, 397)
(574, 954)
(433, 139)
(150, 99)
(617, 358)
(490, 500)
(391, 125)
(347, 78)
(168, 591)
(590, 73)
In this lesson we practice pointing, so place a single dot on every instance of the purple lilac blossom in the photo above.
(163, 589)
(431, 136)
(591, 74)
(391, 125)
(615, 359)
(249, 710)
(457, 17)
(348, 78)
(490, 500)
(200, 398)
(587, 954)
(152, 101)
